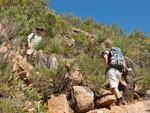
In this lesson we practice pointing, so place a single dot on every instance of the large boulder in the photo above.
(132, 64)
(84, 98)
(106, 100)
(129, 77)
(25, 65)
(44, 60)
(75, 78)
(128, 90)
(58, 104)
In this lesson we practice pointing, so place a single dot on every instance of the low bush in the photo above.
(92, 71)
(49, 81)
(41, 45)
(12, 98)
(85, 28)
(56, 46)
(100, 37)
(143, 78)
(81, 37)
(127, 45)
(63, 27)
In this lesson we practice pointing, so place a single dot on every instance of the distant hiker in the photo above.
(115, 65)
(32, 41)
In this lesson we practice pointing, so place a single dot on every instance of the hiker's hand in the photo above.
(129, 69)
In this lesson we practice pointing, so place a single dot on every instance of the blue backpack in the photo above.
(116, 59)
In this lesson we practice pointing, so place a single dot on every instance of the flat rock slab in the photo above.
(105, 101)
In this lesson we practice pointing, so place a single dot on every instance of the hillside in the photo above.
(67, 72)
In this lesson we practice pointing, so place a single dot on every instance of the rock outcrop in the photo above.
(132, 64)
(128, 90)
(84, 98)
(44, 60)
(58, 104)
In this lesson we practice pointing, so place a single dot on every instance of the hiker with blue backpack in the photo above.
(115, 65)
(32, 41)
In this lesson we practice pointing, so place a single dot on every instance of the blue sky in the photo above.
(128, 14)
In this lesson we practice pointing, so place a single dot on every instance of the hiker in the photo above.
(115, 71)
(32, 41)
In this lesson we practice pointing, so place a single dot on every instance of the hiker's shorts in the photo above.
(30, 51)
(114, 76)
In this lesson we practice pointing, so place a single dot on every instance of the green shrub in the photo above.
(100, 37)
(81, 37)
(6, 107)
(32, 94)
(92, 71)
(63, 27)
(41, 45)
(56, 46)
(49, 81)
(12, 98)
(49, 20)
(127, 45)
(9, 99)
(85, 28)
(71, 18)
(36, 8)
(143, 77)
(88, 21)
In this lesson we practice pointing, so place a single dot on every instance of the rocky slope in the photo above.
(77, 96)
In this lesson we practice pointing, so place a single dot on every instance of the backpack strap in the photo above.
(108, 67)
(32, 36)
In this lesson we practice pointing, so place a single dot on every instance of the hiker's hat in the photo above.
(39, 28)
(103, 52)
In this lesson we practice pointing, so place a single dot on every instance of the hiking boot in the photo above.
(120, 101)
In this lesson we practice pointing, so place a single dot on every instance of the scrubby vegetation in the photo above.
(18, 19)
(14, 94)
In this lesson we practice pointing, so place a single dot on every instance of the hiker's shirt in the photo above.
(34, 41)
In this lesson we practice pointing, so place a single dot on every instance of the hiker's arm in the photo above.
(105, 60)
(128, 69)
(29, 44)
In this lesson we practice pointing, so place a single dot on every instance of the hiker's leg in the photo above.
(113, 79)
(116, 92)
(28, 53)
(113, 76)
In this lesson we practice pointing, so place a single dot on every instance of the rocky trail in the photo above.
(137, 107)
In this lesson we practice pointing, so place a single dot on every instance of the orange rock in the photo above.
(105, 101)
(25, 65)
(58, 104)
(136, 96)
